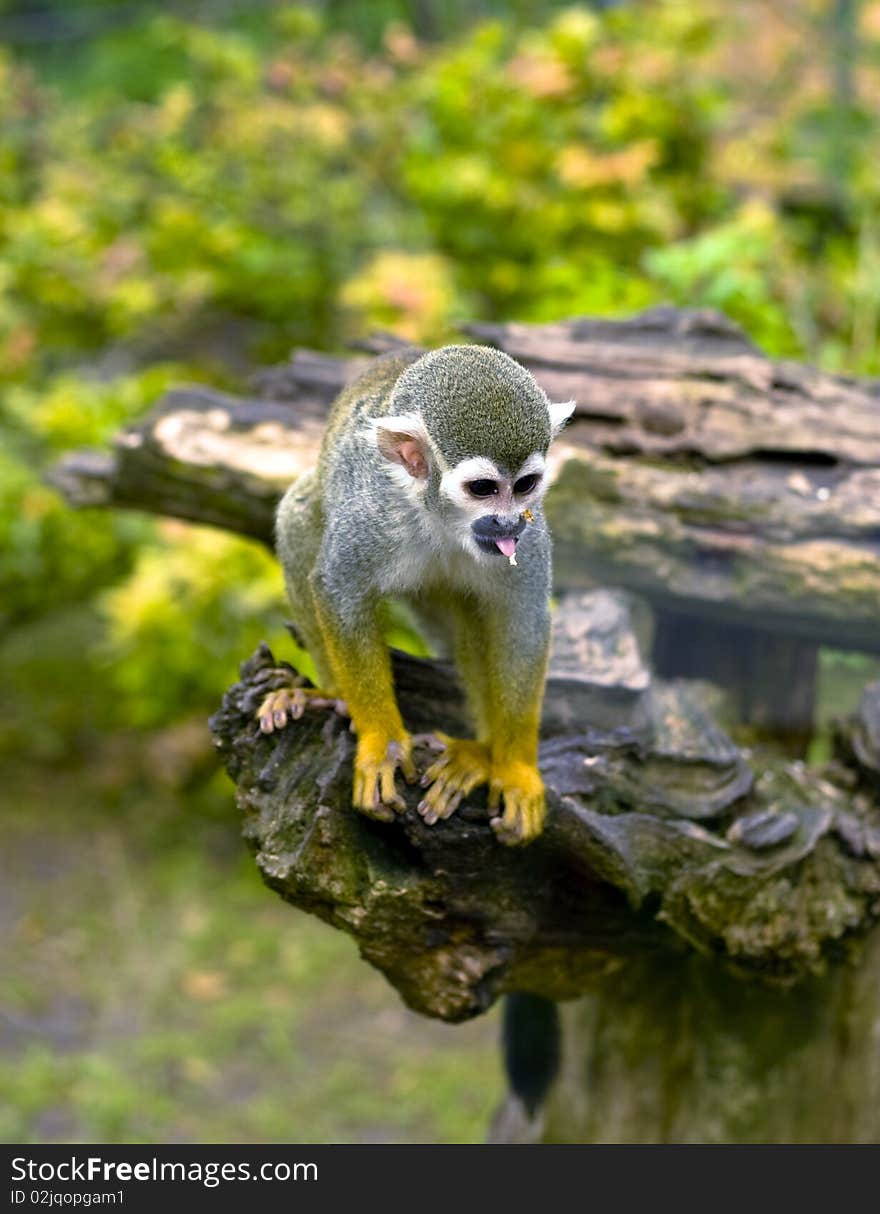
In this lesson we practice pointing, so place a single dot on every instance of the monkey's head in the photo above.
(468, 436)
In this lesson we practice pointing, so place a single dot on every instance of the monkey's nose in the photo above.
(493, 527)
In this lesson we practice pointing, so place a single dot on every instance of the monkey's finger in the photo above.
(460, 781)
(429, 815)
(433, 772)
(357, 792)
(494, 795)
(365, 797)
(397, 754)
(537, 814)
(279, 718)
(443, 784)
(508, 827)
(436, 774)
(408, 767)
(450, 805)
(389, 794)
(505, 833)
(433, 813)
(523, 819)
(431, 805)
(379, 813)
(432, 816)
(364, 794)
(446, 795)
(505, 823)
(267, 711)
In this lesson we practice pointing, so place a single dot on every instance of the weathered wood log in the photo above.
(719, 483)
(201, 455)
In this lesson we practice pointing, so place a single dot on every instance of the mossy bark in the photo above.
(677, 1051)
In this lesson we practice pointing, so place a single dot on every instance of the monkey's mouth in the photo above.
(504, 547)
(491, 535)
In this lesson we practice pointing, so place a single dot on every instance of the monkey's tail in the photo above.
(530, 1044)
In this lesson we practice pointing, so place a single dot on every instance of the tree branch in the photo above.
(658, 839)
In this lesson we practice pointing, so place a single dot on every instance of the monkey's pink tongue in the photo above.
(507, 546)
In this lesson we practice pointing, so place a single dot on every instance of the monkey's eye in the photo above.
(526, 484)
(482, 488)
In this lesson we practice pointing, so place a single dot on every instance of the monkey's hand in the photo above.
(521, 788)
(461, 768)
(376, 763)
(289, 703)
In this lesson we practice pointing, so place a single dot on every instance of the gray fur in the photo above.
(472, 398)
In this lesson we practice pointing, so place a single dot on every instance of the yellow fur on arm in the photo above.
(362, 671)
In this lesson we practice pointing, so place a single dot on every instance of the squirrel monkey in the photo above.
(428, 489)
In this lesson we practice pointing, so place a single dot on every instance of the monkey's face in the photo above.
(482, 505)
(489, 506)
(467, 442)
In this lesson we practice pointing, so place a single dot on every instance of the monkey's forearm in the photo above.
(516, 687)
(469, 649)
(516, 676)
(503, 677)
(361, 668)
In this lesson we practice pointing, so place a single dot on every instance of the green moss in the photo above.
(791, 917)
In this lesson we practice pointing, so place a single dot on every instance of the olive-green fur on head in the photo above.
(474, 400)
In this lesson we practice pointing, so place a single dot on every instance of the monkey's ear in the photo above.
(559, 414)
(404, 440)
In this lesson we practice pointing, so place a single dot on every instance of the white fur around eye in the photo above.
(452, 483)
(560, 413)
(535, 463)
(534, 466)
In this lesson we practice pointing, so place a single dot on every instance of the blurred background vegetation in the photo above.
(190, 189)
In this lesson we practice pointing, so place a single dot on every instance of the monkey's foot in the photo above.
(375, 766)
(289, 704)
(521, 788)
(462, 766)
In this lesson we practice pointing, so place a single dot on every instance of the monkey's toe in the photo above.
(520, 787)
(375, 768)
(289, 703)
(461, 768)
